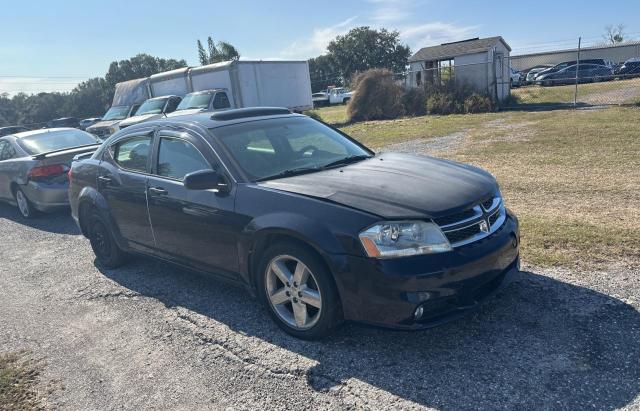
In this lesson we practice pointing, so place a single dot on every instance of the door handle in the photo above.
(158, 190)
(104, 180)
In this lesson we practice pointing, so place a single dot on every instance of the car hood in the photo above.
(186, 112)
(394, 185)
(101, 124)
(138, 119)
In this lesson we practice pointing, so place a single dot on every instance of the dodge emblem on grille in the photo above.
(484, 227)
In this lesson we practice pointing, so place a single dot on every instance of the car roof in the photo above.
(43, 131)
(210, 91)
(162, 97)
(221, 118)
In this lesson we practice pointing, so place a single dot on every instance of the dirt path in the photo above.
(150, 336)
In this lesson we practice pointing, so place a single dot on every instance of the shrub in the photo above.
(376, 97)
(477, 103)
(442, 103)
(414, 102)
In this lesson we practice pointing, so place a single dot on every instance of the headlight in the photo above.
(403, 239)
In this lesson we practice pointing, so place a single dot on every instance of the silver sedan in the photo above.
(34, 166)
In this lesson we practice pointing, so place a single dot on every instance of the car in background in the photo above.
(205, 100)
(64, 122)
(334, 95)
(11, 130)
(151, 109)
(88, 122)
(587, 73)
(34, 166)
(531, 73)
(564, 65)
(630, 69)
(515, 78)
(108, 124)
(321, 228)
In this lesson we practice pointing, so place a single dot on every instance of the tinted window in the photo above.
(53, 140)
(151, 107)
(177, 158)
(132, 153)
(116, 113)
(221, 101)
(200, 100)
(6, 150)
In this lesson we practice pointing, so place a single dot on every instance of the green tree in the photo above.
(217, 52)
(89, 99)
(364, 48)
(324, 72)
(141, 65)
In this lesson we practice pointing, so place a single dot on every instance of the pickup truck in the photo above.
(337, 95)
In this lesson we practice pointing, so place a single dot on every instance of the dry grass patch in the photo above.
(17, 378)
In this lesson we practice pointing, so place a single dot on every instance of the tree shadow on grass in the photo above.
(539, 343)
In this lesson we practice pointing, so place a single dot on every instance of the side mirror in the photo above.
(206, 180)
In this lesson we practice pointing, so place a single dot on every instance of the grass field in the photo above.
(572, 176)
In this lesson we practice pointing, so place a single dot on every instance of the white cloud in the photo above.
(389, 14)
(433, 33)
(32, 85)
(317, 43)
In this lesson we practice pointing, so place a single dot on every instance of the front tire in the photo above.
(103, 244)
(24, 205)
(299, 291)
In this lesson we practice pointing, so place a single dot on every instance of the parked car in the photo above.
(587, 73)
(88, 122)
(64, 122)
(199, 101)
(630, 69)
(564, 65)
(515, 78)
(34, 166)
(4, 131)
(531, 73)
(335, 95)
(109, 123)
(152, 109)
(321, 228)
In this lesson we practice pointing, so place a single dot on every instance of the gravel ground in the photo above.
(151, 336)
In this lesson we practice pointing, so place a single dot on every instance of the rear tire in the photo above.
(25, 207)
(107, 251)
(315, 295)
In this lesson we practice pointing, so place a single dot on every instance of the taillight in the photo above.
(47, 171)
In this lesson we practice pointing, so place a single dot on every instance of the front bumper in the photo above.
(47, 197)
(447, 285)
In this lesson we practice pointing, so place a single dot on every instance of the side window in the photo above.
(132, 153)
(221, 101)
(172, 105)
(134, 108)
(6, 150)
(178, 157)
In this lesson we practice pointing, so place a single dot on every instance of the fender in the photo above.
(310, 231)
(89, 195)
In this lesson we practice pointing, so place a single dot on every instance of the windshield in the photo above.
(151, 107)
(56, 140)
(195, 101)
(116, 113)
(286, 146)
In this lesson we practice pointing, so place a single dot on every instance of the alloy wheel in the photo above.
(293, 292)
(100, 240)
(23, 204)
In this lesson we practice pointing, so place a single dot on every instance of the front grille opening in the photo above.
(487, 204)
(462, 234)
(494, 218)
(454, 218)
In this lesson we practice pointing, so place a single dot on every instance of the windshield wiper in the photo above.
(290, 172)
(347, 160)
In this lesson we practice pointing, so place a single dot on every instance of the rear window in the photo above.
(55, 140)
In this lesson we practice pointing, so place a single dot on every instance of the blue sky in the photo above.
(50, 45)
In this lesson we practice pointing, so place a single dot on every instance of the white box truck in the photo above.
(245, 83)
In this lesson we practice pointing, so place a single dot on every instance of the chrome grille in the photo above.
(473, 224)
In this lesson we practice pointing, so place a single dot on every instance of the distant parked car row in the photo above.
(587, 70)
